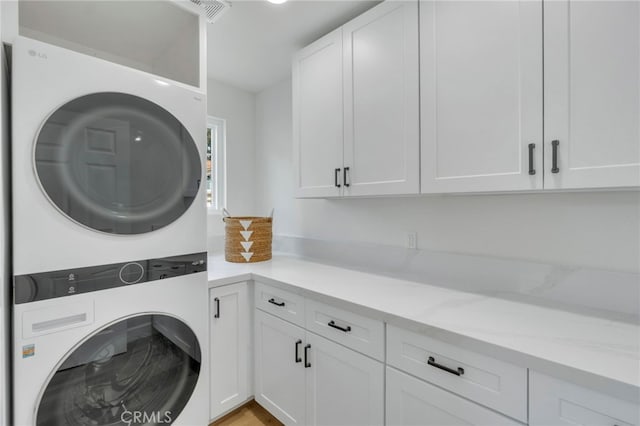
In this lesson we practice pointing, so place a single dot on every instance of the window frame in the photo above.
(218, 128)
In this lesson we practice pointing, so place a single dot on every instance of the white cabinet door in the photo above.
(317, 118)
(592, 93)
(412, 402)
(229, 347)
(554, 402)
(481, 95)
(343, 386)
(381, 100)
(279, 368)
(486, 380)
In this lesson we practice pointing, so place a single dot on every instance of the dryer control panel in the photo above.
(49, 285)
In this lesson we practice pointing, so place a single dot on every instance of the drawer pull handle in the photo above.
(432, 362)
(336, 172)
(298, 359)
(333, 324)
(217, 314)
(307, 364)
(273, 302)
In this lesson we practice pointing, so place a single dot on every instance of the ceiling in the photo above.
(250, 46)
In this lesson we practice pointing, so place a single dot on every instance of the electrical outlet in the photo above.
(412, 240)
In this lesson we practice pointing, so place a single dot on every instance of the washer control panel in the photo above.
(68, 282)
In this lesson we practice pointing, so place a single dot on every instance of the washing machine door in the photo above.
(141, 370)
(117, 163)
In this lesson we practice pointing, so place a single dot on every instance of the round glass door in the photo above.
(117, 163)
(141, 370)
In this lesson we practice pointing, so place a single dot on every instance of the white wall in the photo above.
(600, 230)
(237, 107)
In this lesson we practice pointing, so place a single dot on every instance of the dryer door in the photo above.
(117, 163)
(141, 370)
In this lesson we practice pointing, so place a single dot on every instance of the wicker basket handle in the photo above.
(225, 213)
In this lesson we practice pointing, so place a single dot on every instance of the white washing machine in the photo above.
(108, 162)
(132, 353)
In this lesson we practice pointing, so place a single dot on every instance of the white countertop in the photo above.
(588, 350)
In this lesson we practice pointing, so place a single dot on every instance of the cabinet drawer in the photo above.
(281, 303)
(485, 380)
(413, 402)
(555, 402)
(355, 331)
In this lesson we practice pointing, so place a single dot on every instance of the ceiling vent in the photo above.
(213, 8)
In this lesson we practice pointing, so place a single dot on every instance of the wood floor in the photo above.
(250, 414)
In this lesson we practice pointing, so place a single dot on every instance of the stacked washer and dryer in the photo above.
(109, 243)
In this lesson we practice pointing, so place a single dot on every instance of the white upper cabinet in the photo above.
(592, 93)
(381, 101)
(355, 107)
(317, 117)
(481, 95)
(487, 96)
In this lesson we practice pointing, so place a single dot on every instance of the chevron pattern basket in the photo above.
(247, 238)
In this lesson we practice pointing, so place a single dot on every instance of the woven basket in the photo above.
(248, 238)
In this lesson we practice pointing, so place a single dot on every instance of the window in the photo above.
(216, 135)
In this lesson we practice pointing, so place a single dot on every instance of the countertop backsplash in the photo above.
(602, 293)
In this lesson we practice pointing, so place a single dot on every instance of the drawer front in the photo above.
(413, 402)
(485, 380)
(281, 303)
(555, 402)
(355, 331)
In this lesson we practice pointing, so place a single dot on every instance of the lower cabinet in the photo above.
(411, 401)
(324, 379)
(302, 378)
(279, 368)
(555, 402)
(344, 387)
(230, 347)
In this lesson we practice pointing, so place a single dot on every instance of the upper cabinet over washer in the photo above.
(481, 95)
(355, 107)
(592, 94)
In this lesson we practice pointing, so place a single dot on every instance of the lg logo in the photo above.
(37, 54)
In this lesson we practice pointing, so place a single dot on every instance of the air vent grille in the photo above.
(213, 8)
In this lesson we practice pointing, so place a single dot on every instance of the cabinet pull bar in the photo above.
(336, 172)
(307, 364)
(346, 177)
(554, 167)
(432, 362)
(217, 314)
(532, 171)
(298, 359)
(333, 324)
(273, 302)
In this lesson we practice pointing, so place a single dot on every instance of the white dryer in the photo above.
(132, 353)
(108, 162)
